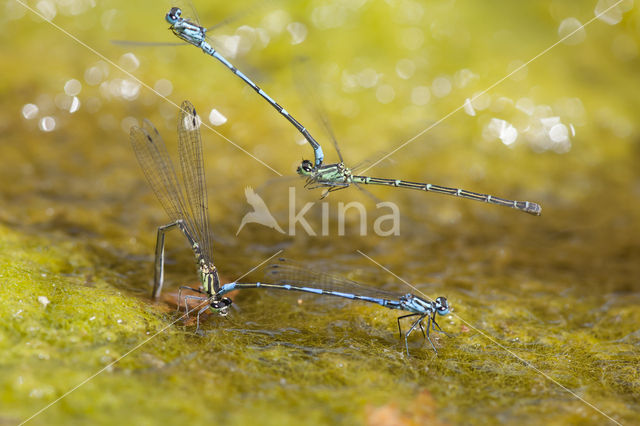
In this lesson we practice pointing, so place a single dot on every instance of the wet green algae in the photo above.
(86, 325)
(345, 367)
(558, 291)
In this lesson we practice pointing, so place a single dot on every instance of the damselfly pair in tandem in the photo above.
(185, 202)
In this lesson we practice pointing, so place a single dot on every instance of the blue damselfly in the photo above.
(194, 34)
(286, 275)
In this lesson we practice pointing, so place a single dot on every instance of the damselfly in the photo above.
(196, 35)
(286, 275)
(333, 177)
(186, 203)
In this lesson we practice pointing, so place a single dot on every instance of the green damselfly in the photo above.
(333, 177)
(184, 201)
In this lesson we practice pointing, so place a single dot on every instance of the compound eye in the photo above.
(307, 166)
(442, 305)
(174, 15)
(223, 303)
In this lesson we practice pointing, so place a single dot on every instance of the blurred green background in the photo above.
(560, 291)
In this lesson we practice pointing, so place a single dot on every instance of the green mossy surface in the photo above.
(546, 320)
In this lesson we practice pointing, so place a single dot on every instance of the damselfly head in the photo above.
(221, 306)
(173, 15)
(442, 305)
(305, 168)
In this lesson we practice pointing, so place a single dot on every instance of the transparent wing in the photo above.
(132, 43)
(251, 9)
(192, 164)
(379, 156)
(329, 129)
(289, 272)
(305, 77)
(157, 167)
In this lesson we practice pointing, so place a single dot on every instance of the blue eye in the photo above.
(174, 15)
